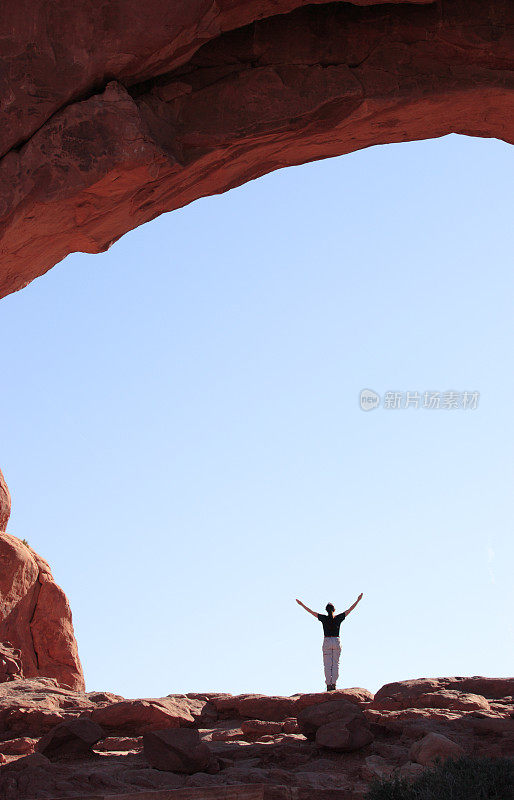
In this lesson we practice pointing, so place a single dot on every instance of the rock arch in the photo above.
(114, 113)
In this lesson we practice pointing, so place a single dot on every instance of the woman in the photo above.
(331, 642)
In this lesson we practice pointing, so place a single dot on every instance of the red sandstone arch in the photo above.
(113, 113)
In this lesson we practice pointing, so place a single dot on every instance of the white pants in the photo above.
(331, 653)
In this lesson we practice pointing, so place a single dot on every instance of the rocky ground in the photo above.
(57, 742)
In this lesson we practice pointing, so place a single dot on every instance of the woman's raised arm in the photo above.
(352, 607)
(314, 613)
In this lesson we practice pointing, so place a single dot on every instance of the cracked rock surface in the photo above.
(114, 113)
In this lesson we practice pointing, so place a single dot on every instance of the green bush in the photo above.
(25, 542)
(456, 779)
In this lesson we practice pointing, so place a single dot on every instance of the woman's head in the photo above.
(330, 609)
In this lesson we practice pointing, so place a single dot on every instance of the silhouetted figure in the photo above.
(331, 641)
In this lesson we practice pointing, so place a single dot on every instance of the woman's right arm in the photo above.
(314, 613)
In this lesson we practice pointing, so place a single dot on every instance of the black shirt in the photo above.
(331, 625)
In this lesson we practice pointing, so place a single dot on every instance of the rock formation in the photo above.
(51, 744)
(36, 630)
(181, 751)
(337, 725)
(10, 663)
(5, 503)
(113, 114)
(35, 616)
(131, 716)
(432, 746)
(75, 737)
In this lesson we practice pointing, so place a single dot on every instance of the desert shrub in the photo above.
(24, 541)
(462, 778)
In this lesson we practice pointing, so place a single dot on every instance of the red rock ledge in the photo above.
(60, 743)
(110, 118)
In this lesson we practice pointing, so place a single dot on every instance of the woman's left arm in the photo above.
(352, 607)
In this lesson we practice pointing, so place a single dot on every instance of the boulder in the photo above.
(344, 735)
(453, 700)
(226, 705)
(102, 698)
(404, 694)
(73, 737)
(203, 712)
(177, 750)
(28, 763)
(409, 694)
(433, 746)
(27, 777)
(273, 709)
(138, 716)
(354, 695)
(313, 717)
(259, 727)
(377, 767)
(254, 706)
(18, 747)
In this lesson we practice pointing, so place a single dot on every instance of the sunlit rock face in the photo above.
(115, 113)
(35, 616)
(5, 503)
(36, 629)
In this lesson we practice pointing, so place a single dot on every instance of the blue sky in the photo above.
(183, 440)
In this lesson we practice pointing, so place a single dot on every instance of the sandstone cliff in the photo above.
(35, 617)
